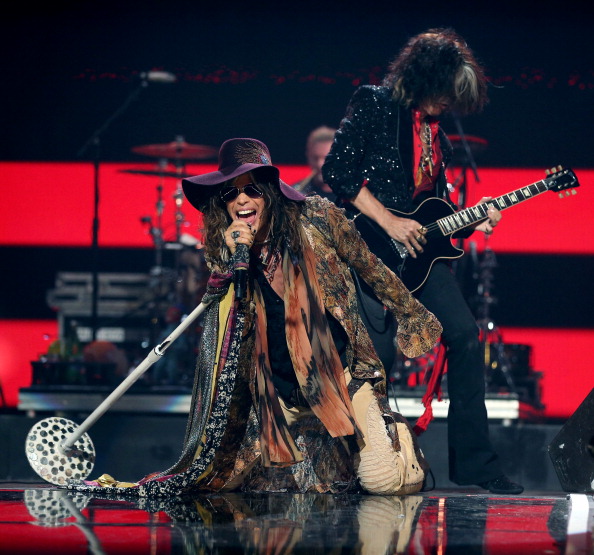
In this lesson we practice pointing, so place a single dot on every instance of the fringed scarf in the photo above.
(315, 360)
(216, 370)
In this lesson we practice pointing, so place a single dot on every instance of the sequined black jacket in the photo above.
(375, 144)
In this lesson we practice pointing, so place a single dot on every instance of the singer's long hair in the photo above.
(438, 64)
(283, 213)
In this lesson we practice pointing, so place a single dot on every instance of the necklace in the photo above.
(427, 139)
(270, 261)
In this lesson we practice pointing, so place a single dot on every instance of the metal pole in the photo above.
(151, 358)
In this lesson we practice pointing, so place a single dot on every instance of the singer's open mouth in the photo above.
(248, 216)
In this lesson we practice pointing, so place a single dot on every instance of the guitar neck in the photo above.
(470, 216)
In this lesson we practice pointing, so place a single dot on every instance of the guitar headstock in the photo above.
(561, 179)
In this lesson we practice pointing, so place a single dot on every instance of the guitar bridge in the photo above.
(401, 251)
(399, 248)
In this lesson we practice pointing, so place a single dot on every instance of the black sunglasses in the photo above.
(230, 193)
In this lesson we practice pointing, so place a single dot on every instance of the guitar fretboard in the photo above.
(459, 220)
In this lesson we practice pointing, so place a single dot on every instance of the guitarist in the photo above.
(390, 152)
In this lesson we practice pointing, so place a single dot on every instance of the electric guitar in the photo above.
(441, 222)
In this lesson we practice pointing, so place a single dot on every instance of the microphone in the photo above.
(158, 77)
(240, 270)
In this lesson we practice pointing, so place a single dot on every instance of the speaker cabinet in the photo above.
(572, 449)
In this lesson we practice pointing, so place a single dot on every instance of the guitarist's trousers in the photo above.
(472, 458)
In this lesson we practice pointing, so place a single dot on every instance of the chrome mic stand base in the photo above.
(50, 461)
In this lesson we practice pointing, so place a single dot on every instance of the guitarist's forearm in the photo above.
(368, 205)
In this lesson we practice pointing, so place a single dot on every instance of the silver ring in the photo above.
(235, 235)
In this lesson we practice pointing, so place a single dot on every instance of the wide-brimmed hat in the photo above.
(236, 157)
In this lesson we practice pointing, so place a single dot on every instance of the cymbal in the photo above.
(159, 173)
(472, 140)
(476, 145)
(177, 149)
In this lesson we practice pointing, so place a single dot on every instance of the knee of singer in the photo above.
(380, 477)
(386, 471)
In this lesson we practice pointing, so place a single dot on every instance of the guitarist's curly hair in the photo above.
(438, 64)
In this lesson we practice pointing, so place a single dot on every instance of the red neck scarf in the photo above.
(426, 152)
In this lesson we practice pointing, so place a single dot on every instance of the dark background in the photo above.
(275, 71)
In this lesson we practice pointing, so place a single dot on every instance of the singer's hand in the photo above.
(239, 233)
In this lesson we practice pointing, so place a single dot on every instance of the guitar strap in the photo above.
(363, 299)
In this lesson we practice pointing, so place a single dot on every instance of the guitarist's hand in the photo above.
(487, 225)
(406, 231)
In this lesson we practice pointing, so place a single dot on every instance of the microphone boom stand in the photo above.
(95, 141)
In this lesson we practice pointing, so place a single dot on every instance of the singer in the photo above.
(289, 394)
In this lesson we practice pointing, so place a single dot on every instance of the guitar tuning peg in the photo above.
(547, 172)
(559, 168)
(561, 195)
(573, 192)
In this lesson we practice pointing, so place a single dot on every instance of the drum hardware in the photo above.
(59, 450)
(157, 173)
(164, 283)
(155, 229)
(465, 147)
(494, 352)
(178, 149)
(179, 215)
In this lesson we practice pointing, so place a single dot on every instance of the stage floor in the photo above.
(39, 518)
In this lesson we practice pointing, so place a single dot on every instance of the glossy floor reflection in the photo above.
(43, 519)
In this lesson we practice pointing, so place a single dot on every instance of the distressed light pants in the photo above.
(381, 469)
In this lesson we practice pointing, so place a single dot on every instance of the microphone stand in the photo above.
(462, 181)
(469, 160)
(95, 141)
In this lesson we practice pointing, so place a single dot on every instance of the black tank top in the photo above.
(283, 374)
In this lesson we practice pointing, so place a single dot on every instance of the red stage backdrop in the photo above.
(51, 204)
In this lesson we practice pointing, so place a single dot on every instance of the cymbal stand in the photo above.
(489, 332)
(159, 277)
(468, 163)
(178, 196)
(461, 182)
(179, 215)
(158, 232)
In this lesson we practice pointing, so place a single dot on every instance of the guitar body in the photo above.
(412, 271)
